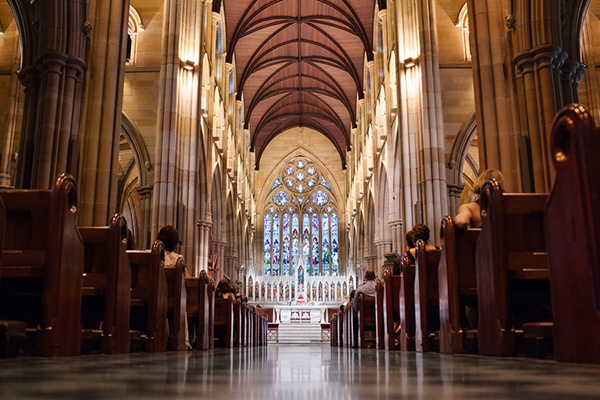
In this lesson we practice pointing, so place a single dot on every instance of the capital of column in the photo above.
(202, 224)
(455, 190)
(145, 192)
(380, 243)
(395, 224)
(219, 244)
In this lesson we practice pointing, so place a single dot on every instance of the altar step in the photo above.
(296, 333)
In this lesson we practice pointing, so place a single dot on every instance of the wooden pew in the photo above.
(391, 308)
(427, 300)
(366, 321)
(272, 325)
(149, 293)
(407, 306)
(176, 305)
(262, 325)
(348, 326)
(512, 268)
(326, 328)
(334, 329)
(198, 310)
(106, 285)
(42, 266)
(223, 321)
(13, 334)
(457, 278)
(237, 321)
(379, 317)
(573, 236)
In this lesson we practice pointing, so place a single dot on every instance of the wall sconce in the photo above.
(189, 65)
(410, 62)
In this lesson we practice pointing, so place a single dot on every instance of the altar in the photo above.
(300, 313)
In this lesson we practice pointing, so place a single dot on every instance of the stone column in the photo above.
(10, 131)
(397, 237)
(420, 151)
(495, 121)
(144, 237)
(219, 251)
(102, 112)
(201, 259)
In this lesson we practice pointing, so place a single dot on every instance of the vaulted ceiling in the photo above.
(299, 63)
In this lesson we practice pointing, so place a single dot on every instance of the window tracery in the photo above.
(300, 220)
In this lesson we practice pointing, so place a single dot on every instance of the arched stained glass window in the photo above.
(300, 221)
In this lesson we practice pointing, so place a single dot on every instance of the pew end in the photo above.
(457, 276)
(573, 235)
(42, 266)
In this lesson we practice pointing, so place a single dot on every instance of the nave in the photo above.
(294, 372)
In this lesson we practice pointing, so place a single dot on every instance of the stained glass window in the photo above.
(334, 245)
(315, 245)
(300, 220)
(276, 249)
(325, 184)
(325, 244)
(306, 238)
(281, 198)
(267, 245)
(295, 239)
(320, 198)
(285, 244)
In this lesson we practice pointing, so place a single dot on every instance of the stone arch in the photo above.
(459, 158)
(383, 232)
(218, 214)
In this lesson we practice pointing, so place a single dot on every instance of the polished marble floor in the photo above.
(314, 372)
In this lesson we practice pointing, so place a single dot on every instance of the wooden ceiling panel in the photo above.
(299, 63)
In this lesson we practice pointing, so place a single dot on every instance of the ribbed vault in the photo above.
(299, 64)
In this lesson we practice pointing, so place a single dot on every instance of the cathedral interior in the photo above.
(293, 144)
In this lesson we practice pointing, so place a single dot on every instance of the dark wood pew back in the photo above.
(512, 267)
(457, 278)
(426, 297)
(391, 308)
(149, 294)
(573, 236)
(367, 321)
(272, 324)
(176, 304)
(407, 305)
(379, 315)
(106, 284)
(198, 309)
(42, 266)
(223, 321)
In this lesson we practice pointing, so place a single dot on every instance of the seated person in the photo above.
(170, 238)
(367, 288)
(223, 290)
(469, 214)
(419, 232)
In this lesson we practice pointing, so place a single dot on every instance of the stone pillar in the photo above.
(9, 132)
(50, 131)
(201, 259)
(397, 237)
(102, 112)
(420, 151)
(144, 237)
(495, 121)
(454, 191)
(219, 255)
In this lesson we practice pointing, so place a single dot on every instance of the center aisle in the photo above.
(292, 372)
